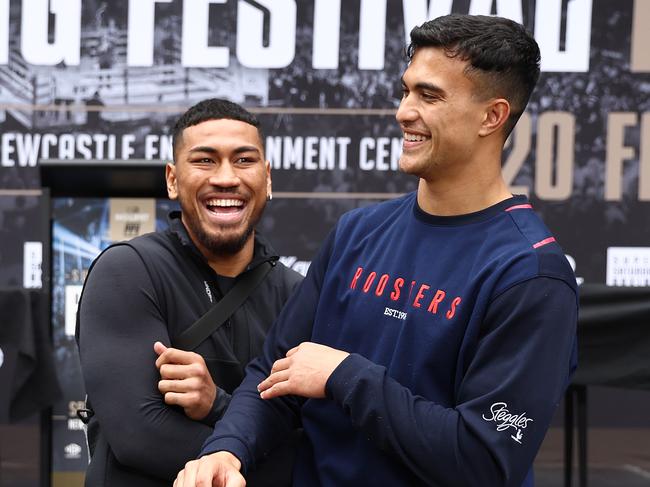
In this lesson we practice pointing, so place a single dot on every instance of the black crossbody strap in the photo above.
(216, 316)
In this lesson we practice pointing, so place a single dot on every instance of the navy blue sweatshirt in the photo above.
(462, 338)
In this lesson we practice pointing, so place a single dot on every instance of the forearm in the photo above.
(119, 323)
(521, 365)
(251, 425)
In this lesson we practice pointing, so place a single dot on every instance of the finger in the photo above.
(273, 379)
(292, 351)
(276, 390)
(182, 399)
(190, 473)
(281, 364)
(179, 479)
(181, 386)
(159, 347)
(176, 356)
(206, 473)
(235, 481)
(177, 372)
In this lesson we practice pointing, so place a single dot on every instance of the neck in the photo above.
(231, 265)
(474, 187)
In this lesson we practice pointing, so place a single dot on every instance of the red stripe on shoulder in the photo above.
(520, 207)
(544, 242)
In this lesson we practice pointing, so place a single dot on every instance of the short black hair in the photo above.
(212, 109)
(503, 57)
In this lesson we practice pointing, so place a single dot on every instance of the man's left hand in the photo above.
(304, 372)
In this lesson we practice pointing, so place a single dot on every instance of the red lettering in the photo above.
(420, 295)
(411, 289)
(439, 296)
(357, 275)
(397, 286)
(452, 309)
(381, 285)
(369, 280)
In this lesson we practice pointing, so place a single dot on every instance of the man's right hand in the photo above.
(220, 469)
(185, 381)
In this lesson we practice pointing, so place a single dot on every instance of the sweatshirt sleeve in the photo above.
(252, 426)
(119, 322)
(509, 390)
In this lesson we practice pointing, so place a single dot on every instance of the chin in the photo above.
(409, 167)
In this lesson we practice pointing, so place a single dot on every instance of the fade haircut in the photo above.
(211, 109)
(503, 57)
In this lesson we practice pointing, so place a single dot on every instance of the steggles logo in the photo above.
(504, 419)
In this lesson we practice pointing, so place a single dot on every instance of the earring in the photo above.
(269, 197)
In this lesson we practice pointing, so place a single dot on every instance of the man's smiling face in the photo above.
(440, 114)
(222, 181)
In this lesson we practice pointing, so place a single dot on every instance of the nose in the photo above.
(406, 111)
(224, 175)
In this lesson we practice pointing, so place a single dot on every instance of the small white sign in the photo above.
(628, 266)
(72, 295)
(72, 451)
(32, 265)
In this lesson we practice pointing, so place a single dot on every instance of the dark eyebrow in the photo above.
(246, 148)
(423, 85)
(211, 150)
(203, 148)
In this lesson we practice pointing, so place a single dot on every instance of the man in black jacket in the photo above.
(154, 404)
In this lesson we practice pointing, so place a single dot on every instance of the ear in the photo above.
(170, 177)
(269, 185)
(497, 112)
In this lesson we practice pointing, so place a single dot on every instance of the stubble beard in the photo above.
(227, 242)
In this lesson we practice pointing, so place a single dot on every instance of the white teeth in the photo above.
(225, 203)
(414, 137)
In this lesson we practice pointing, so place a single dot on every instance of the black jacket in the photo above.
(151, 289)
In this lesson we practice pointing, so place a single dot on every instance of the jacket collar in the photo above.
(262, 250)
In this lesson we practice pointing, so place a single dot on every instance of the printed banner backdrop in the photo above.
(93, 80)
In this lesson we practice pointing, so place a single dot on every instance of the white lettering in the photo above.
(251, 49)
(151, 146)
(27, 149)
(273, 151)
(35, 47)
(127, 147)
(195, 51)
(343, 143)
(292, 153)
(166, 148)
(8, 149)
(310, 153)
(141, 32)
(66, 146)
(415, 13)
(575, 56)
(372, 34)
(505, 8)
(387, 153)
(327, 25)
(47, 141)
(304, 152)
(395, 313)
(366, 164)
(83, 143)
(505, 419)
(4, 31)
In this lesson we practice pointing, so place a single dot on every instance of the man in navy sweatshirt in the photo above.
(434, 335)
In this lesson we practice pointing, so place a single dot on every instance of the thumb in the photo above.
(159, 348)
